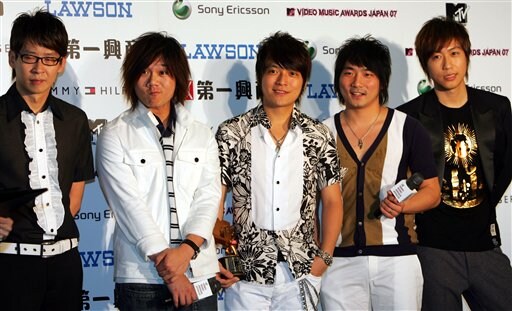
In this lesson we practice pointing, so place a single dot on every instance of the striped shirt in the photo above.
(167, 142)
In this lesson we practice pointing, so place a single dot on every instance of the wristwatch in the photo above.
(325, 256)
(193, 246)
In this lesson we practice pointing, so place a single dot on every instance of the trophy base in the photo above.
(234, 265)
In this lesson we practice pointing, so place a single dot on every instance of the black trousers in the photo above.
(485, 279)
(32, 283)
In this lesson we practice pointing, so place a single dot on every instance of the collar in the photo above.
(168, 129)
(432, 106)
(260, 117)
(181, 115)
(16, 104)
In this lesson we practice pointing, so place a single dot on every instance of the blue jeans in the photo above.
(152, 297)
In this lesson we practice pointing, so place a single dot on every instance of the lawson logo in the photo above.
(107, 9)
(103, 258)
(221, 51)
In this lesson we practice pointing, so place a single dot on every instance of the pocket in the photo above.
(143, 291)
(309, 288)
(188, 167)
(138, 296)
(146, 166)
(141, 161)
(316, 281)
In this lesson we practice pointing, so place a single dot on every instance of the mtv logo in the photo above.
(290, 12)
(457, 12)
(409, 51)
(190, 93)
(95, 126)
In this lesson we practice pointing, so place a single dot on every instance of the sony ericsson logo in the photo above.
(181, 9)
(423, 86)
(311, 49)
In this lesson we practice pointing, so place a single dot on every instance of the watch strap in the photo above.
(193, 246)
(325, 256)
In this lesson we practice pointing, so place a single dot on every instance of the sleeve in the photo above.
(421, 157)
(223, 146)
(328, 162)
(503, 165)
(205, 204)
(119, 186)
(84, 169)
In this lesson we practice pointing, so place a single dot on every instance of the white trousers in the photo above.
(372, 283)
(283, 295)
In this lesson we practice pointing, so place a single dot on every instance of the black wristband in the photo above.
(193, 246)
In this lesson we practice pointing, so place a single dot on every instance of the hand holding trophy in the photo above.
(224, 234)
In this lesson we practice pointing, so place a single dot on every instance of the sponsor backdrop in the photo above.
(221, 41)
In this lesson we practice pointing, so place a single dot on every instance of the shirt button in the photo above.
(143, 161)
(196, 160)
(277, 209)
(37, 122)
(51, 230)
(360, 194)
(360, 223)
(362, 163)
(43, 177)
(360, 251)
(41, 150)
(277, 182)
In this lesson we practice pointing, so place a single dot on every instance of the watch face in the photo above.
(328, 260)
(326, 257)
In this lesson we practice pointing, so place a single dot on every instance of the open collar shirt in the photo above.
(275, 191)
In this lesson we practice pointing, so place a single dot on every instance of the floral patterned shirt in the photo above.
(258, 247)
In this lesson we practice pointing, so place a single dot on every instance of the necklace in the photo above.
(360, 139)
(279, 141)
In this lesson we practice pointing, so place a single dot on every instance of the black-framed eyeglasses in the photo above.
(46, 60)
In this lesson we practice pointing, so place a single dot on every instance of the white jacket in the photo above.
(132, 175)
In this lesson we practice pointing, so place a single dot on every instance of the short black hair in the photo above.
(365, 52)
(287, 52)
(143, 52)
(41, 28)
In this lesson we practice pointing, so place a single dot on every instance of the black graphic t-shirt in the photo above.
(464, 220)
(463, 182)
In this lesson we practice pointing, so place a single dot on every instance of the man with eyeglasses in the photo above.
(46, 60)
(46, 143)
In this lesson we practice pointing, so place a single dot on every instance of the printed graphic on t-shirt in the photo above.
(463, 180)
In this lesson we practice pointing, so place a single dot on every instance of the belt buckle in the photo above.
(46, 243)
